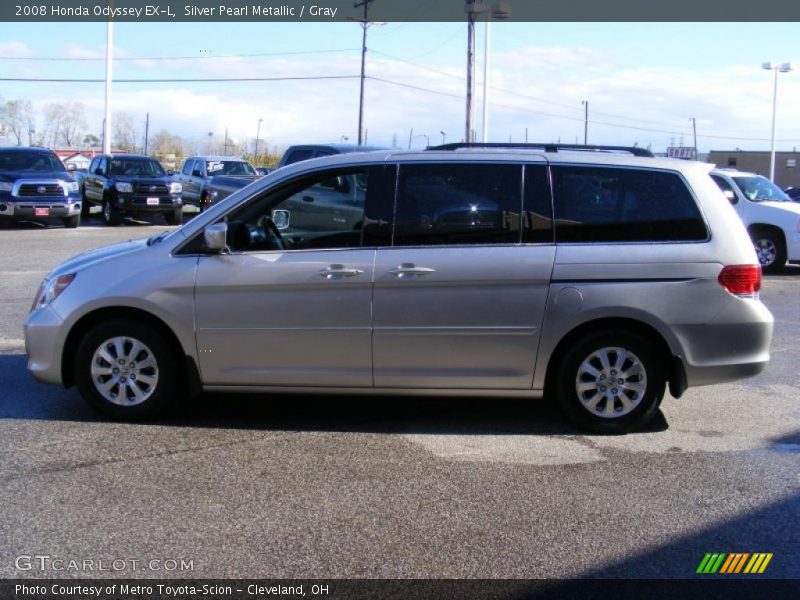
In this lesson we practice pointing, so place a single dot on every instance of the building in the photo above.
(787, 170)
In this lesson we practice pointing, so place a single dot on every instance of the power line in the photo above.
(192, 80)
(202, 57)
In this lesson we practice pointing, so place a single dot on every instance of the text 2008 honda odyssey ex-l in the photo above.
(594, 277)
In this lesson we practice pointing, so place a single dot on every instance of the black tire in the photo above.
(175, 217)
(770, 248)
(127, 407)
(72, 222)
(644, 404)
(111, 214)
(85, 206)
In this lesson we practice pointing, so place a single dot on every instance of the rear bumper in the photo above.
(734, 345)
(28, 209)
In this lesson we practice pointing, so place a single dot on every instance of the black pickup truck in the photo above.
(35, 186)
(209, 179)
(130, 184)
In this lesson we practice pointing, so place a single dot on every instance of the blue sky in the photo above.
(643, 81)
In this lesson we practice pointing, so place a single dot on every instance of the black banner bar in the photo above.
(270, 11)
(707, 587)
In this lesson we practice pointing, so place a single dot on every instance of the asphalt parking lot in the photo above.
(390, 487)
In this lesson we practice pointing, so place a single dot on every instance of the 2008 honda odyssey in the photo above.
(595, 277)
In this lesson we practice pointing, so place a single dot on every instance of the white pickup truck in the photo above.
(771, 217)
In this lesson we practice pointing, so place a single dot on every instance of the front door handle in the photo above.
(410, 271)
(339, 272)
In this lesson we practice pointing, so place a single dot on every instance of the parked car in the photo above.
(302, 152)
(597, 278)
(35, 186)
(130, 184)
(793, 193)
(209, 179)
(771, 218)
(264, 170)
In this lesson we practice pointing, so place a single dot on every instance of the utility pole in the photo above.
(109, 58)
(146, 131)
(694, 129)
(225, 146)
(410, 136)
(585, 122)
(364, 26)
(472, 10)
(486, 45)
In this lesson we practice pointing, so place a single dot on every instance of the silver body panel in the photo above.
(481, 320)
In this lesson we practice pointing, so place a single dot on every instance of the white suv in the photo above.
(771, 218)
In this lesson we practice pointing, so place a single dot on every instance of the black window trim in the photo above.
(680, 175)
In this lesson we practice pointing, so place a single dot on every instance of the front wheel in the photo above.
(175, 217)
(111, 214)
(770, 249)
(610, 382)
(125, 369)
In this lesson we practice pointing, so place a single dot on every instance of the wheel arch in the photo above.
(675, 370)
(185, 363)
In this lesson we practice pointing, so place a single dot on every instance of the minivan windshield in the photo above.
(135, 167)
(30, 161)
(758, 189)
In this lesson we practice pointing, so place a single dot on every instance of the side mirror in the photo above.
(98, 171)
(216, 237)
(197, 173)
(72, 167)
(170, 172)
(731, 196)
(281, 219)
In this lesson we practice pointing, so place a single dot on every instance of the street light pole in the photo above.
(585, 122)
(258, 133)
(694, 131)
(107, 116)
(782, 68)
(486, 44)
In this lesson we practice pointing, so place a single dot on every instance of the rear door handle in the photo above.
(339, 272)
(409, 270)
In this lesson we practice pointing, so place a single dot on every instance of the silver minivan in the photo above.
(596, 278)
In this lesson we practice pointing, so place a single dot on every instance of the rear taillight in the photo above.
(742, 280)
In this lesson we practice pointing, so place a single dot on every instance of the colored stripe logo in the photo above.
(732, 563)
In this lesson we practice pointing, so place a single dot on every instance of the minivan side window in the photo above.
(623, 205)
(455, 204)
(321, 211)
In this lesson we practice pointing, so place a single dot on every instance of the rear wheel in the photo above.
(111, 214)
(610, 382)
(72, 222)
(770, 249)
(125, 369)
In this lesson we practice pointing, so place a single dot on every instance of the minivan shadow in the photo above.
(26, 399)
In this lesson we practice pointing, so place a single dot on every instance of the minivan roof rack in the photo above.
(546, 147)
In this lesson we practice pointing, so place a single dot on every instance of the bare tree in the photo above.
(125, 132)
(12, 118)
(91, 140)
(29, 120)
(54, 117)
(74, 122)
(165, 142)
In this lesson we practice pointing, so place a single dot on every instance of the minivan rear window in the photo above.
(594, 204)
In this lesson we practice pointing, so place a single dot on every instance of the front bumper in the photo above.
(44, 340)
(139, 204)
(40, 208)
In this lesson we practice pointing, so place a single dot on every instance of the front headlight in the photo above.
(5, 186)
(175, 188)
(52, 289)
(123, 187)
(72, 186)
